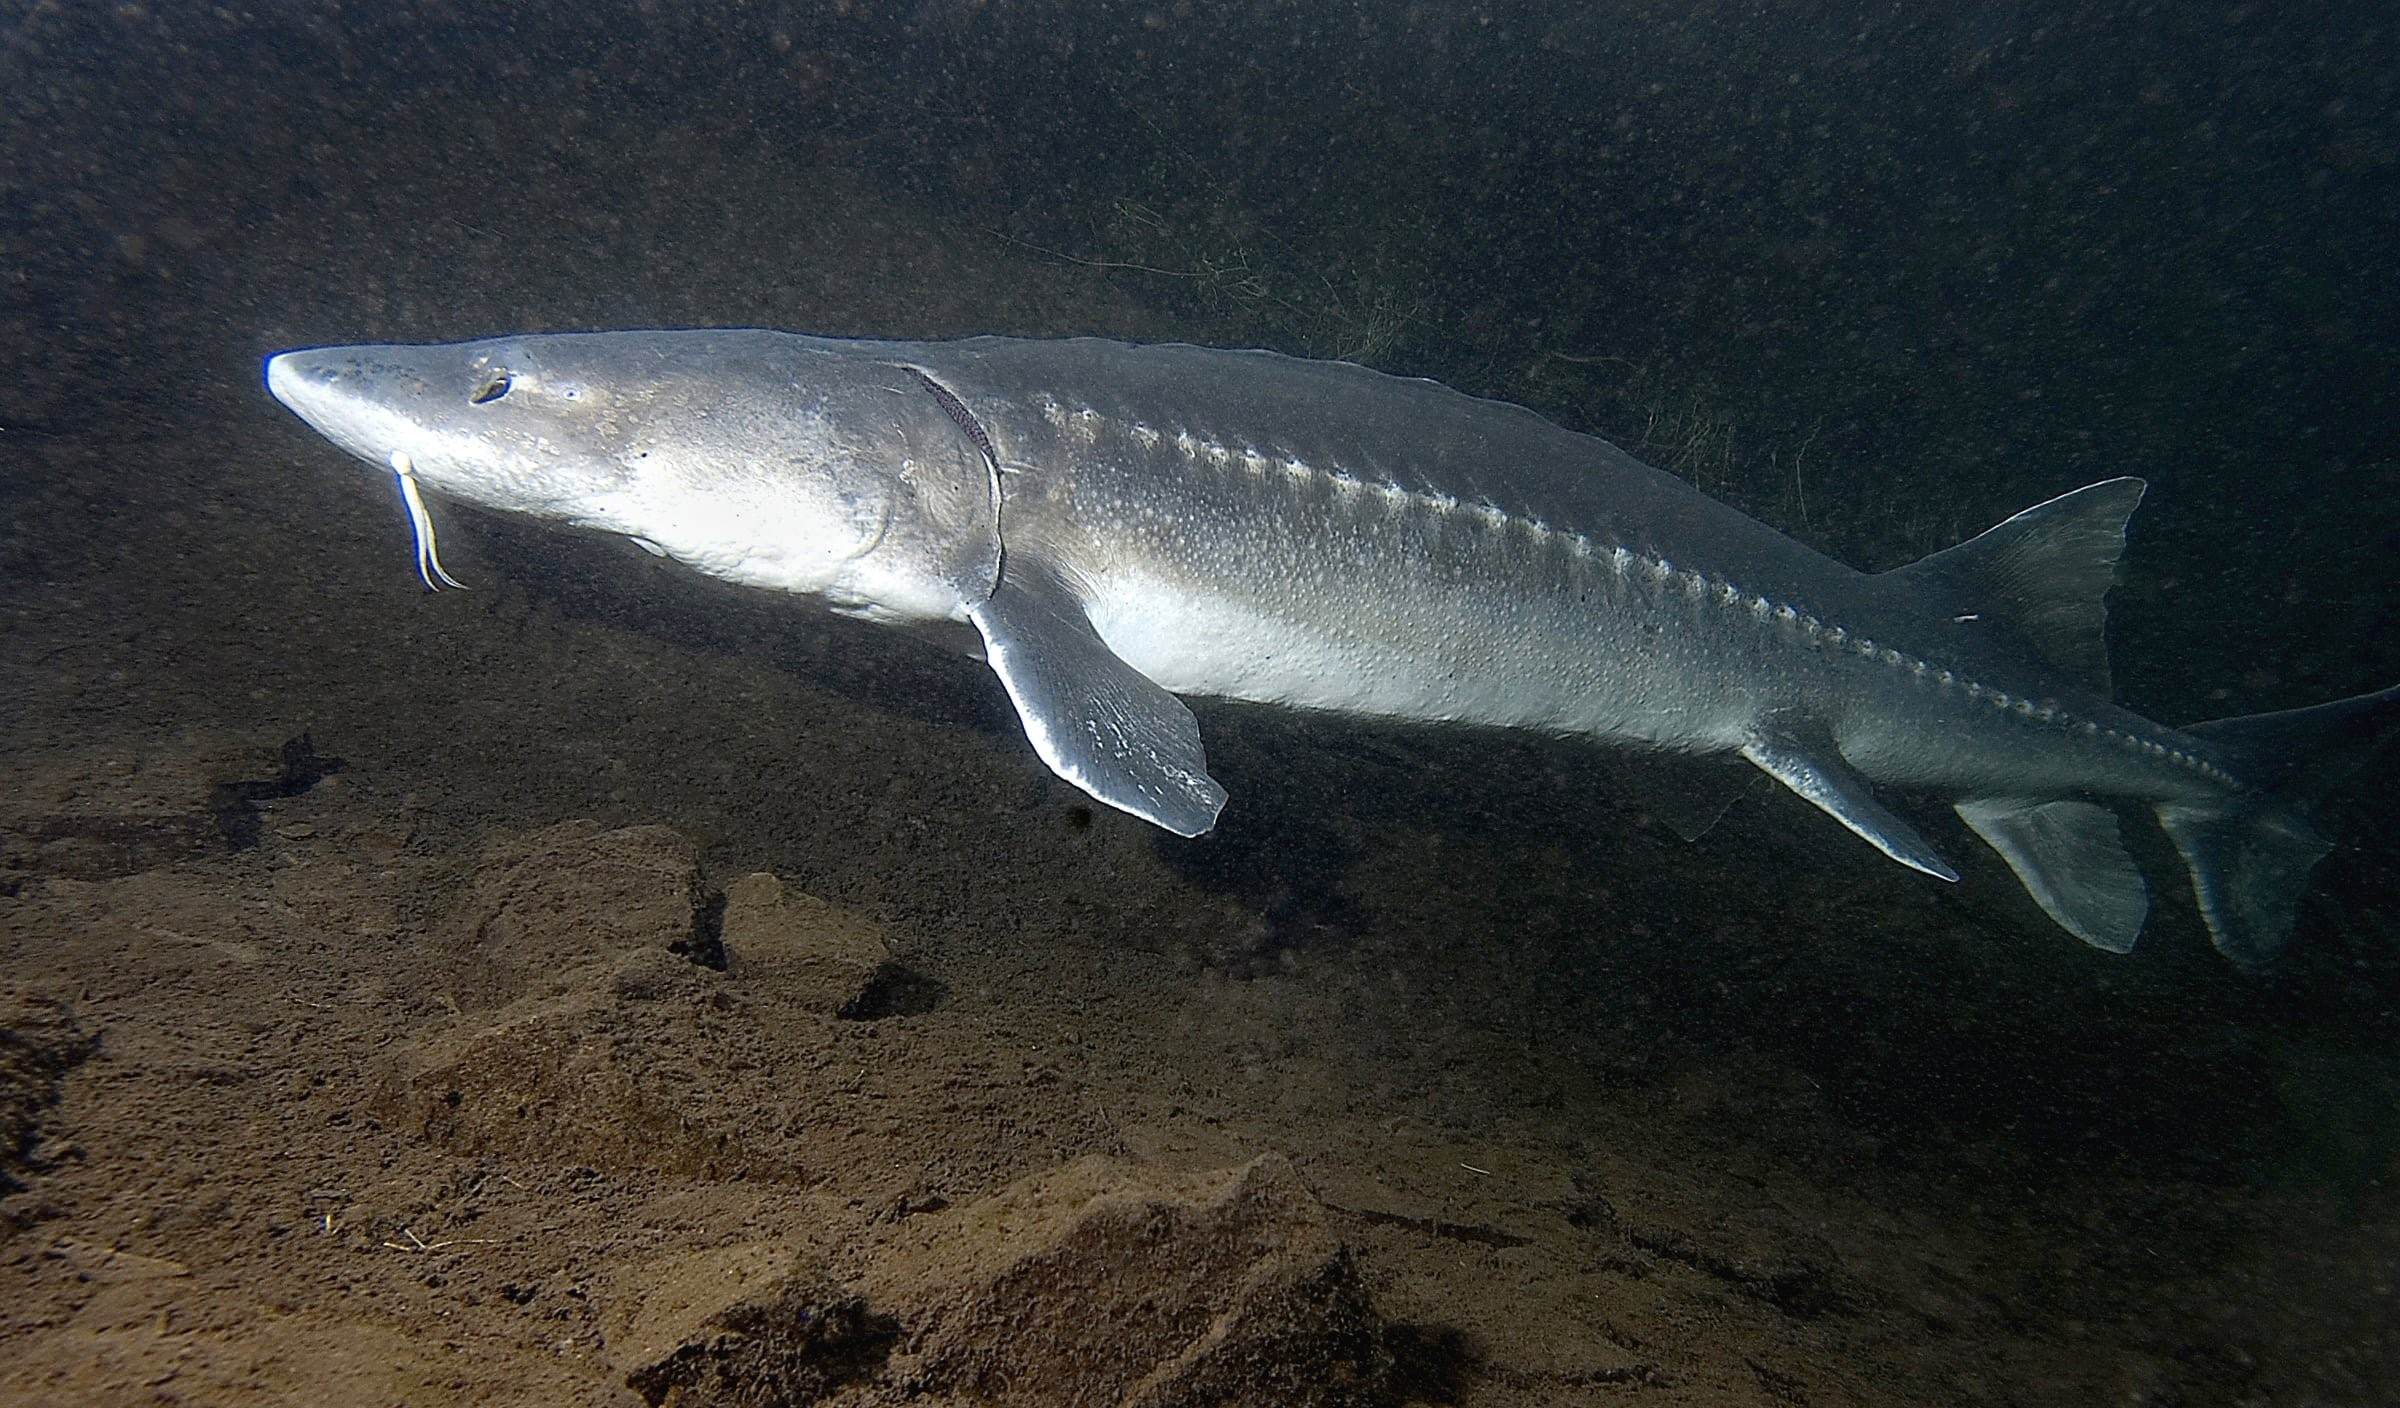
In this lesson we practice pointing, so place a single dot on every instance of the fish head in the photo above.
(768, 459)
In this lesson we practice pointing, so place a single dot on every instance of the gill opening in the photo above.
(420, 525)
(967, 421)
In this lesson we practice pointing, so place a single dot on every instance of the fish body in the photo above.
(1123, 524)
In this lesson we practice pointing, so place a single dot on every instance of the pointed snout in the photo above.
(305, 381)
(356, 397)
(312, 380)
(283, 375)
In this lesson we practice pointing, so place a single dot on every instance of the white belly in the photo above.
(1213, 646)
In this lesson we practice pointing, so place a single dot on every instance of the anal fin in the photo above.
(2072, 861)
(1098, 722)
(1813, 768)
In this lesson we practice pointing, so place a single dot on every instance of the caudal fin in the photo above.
(2251, 857)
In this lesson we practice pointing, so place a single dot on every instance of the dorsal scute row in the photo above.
(1626, 562)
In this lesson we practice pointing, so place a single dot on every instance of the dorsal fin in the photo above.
(2044, 574)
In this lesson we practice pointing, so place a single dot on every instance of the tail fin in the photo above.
(2251, 858)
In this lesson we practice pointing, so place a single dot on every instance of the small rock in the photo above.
(746, 1324)
(40, 1041)
(552, 910)
(819, 955)
(1104, 1283)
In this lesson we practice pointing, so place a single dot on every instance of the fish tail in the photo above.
(2251, 855)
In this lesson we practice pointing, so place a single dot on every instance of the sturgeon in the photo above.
(1121, 524)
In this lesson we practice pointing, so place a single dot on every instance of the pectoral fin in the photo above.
(1811, 766)
(1097, 721)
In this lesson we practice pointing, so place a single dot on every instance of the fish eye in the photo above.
(495, 385)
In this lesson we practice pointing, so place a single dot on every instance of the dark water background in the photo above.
(1880, 274)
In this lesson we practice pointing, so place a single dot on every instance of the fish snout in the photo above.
(298, 378)
(367, 404)
(315, 379)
